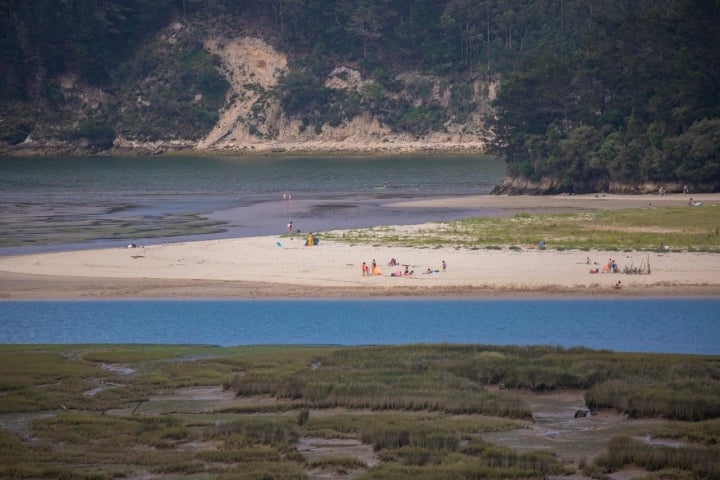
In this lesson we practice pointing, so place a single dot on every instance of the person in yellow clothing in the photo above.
(310, 240)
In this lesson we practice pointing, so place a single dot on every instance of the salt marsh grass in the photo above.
(338, 463)
(382, 379)
(693, 461)
(423, 410)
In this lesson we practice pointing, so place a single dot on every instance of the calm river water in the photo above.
(76, 202)
(639, 325)
(68, 203)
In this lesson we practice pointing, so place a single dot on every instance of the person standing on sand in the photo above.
(365, 270)
(375, 268)
(444, 266)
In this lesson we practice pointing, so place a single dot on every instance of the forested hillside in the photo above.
(629, 94)
(619, 95)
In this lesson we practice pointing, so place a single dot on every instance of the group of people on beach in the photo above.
(311, 241)
(407, 272)
(366, 270)
(610, 267)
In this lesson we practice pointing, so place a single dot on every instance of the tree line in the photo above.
(593, 94)
(633, 99)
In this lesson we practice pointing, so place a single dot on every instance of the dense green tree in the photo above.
(367, 23)
(696, 153)
(641, 75)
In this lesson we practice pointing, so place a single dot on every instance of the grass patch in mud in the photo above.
(49, 230)
(427, 411)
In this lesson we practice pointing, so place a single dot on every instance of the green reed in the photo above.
(453, 379)
(388, 382)
(700, 462)
(705, 432)
(261, 429)
(374, 426)
(338, 462)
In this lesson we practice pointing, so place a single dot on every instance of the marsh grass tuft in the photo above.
(240, 455)
(303, 416)
(678, 399)
(700, 462)
(338, 462)
(261, 429)
(705, 432)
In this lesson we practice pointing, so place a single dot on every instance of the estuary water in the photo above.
(689, 326)
(60, 203)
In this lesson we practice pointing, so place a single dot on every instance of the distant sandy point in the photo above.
(282, 267)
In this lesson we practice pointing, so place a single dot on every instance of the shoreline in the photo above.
(289, 149)
(23, 287)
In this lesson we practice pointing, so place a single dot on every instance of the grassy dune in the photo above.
(688, 229)
(418, 411)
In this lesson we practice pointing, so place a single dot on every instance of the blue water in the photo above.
(633, 325)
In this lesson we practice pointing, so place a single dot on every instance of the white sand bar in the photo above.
(281, 266)
(331, 264)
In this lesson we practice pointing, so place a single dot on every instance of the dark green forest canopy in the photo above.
(632, 98)
(594, 95)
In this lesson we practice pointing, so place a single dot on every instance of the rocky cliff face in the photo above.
(252, 118)
(253, 121)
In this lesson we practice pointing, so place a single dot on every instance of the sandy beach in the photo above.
(282, 267)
